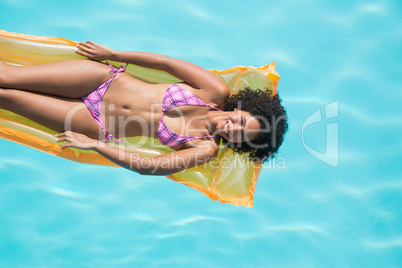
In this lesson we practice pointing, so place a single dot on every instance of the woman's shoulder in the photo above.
(216, 98)
(208, 146)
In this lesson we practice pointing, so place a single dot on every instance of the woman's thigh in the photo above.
(70, 79)
(57, 113)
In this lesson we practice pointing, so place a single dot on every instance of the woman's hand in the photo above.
(77, 140)
(94, 51)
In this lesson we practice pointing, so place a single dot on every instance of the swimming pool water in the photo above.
(340, 60)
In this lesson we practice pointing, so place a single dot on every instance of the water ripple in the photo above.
(63, 192)
(362, 191)
(194, 219)
(372, 9)
(384, 244)
(301, 228)
(352, 111)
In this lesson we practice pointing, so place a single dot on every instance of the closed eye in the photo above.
(243, 123)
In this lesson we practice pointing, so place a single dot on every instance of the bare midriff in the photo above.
(133, 108)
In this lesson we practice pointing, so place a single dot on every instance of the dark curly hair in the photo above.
(272, 117)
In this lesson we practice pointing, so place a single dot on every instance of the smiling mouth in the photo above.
(225, 128)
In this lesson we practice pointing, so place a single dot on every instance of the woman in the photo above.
(190, 117)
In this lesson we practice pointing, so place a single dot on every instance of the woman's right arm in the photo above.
(193, 74)
(165, 164)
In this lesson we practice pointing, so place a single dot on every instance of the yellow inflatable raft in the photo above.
(229, 178)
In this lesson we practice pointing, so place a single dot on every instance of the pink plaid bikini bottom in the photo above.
(93, 100)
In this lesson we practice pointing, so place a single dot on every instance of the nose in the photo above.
(236, 129)
(237, 126)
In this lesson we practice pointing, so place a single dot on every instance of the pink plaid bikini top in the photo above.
(176, 96)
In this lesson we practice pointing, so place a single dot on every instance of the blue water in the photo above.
(333, 196)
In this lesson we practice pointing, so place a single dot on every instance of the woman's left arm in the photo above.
(165, 164)
(191, 73)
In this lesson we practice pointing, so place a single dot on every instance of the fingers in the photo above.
(87, 55)
(67, 145)
(88, 43)
(82, 53)
(92, 43)
(76, 140)
(64, 136)
(93, 51)
(70, 143)
(87, 46)
(84, 46)
(86, 49)
(65, 133)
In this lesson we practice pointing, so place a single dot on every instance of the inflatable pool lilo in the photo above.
(229, 178)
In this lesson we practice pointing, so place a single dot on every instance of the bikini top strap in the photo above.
(109, 137)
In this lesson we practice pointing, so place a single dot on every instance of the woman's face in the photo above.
(239, 126)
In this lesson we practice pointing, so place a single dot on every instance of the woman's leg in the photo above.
(56, 113)
(70, 79)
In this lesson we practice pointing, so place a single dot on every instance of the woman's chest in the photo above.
(187, 120)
